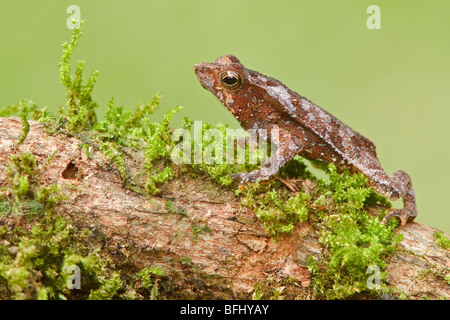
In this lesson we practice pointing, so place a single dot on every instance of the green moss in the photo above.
(259, 293)
(21, 169)
(108, 288)
(158, 178)
(275, 206)
(120, 129)
(80, 104)
(219, 171)
(353, 240)
(33, 260)
(336, 209)
(132, 129)
(198, 228)
(277, 289)
(170, 207)
(150, 278)
(186, 261)
(279, 211)
(23, 109)
(267, 290)
(442, 240)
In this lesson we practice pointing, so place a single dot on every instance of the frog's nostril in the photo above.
(201, 68)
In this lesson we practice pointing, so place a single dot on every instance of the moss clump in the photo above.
(149, 280)
(354, 241)
(442, 240)
(198, 228)
(336, 208)
(21, 169)
(213, 151)
(170, 207)
(39, 249)
(23, 109)
(38, 245)
(133, 129)
(121, 129)
(271, 289)
(276, 208)
(80, 104)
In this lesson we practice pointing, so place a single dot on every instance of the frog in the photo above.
(260, 102)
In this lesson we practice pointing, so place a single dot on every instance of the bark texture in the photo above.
(219, 249)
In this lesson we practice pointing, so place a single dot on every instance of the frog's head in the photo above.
(224, 78)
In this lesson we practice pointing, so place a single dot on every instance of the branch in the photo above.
(208, 244)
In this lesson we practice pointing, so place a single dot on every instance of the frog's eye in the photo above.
(231, 80)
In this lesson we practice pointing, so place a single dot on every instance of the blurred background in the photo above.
(390, 84)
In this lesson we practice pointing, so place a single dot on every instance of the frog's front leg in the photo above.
(288, 146)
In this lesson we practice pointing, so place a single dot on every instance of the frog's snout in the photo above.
(204, 73)
(201, 69)
(198, 67)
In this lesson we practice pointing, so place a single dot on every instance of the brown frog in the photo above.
(261, 102)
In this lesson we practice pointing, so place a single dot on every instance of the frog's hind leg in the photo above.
(397, 186)
(400, 186)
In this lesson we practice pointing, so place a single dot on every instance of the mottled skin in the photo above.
(261, 102)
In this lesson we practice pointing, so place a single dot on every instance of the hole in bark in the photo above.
(71, 171)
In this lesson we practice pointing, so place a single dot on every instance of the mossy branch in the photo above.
(231, 252)
(106, 197)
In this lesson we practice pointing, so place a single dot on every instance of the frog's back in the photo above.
(328, 127)
(345, 141)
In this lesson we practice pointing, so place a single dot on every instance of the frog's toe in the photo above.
(241, 176)
(403, 214)
(246, 177)
(236, 175)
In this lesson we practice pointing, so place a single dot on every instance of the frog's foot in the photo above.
(404, 215)
(248, 177)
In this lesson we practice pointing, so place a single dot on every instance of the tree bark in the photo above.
(209, 246)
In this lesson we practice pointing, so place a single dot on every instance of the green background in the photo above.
(392, 84)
